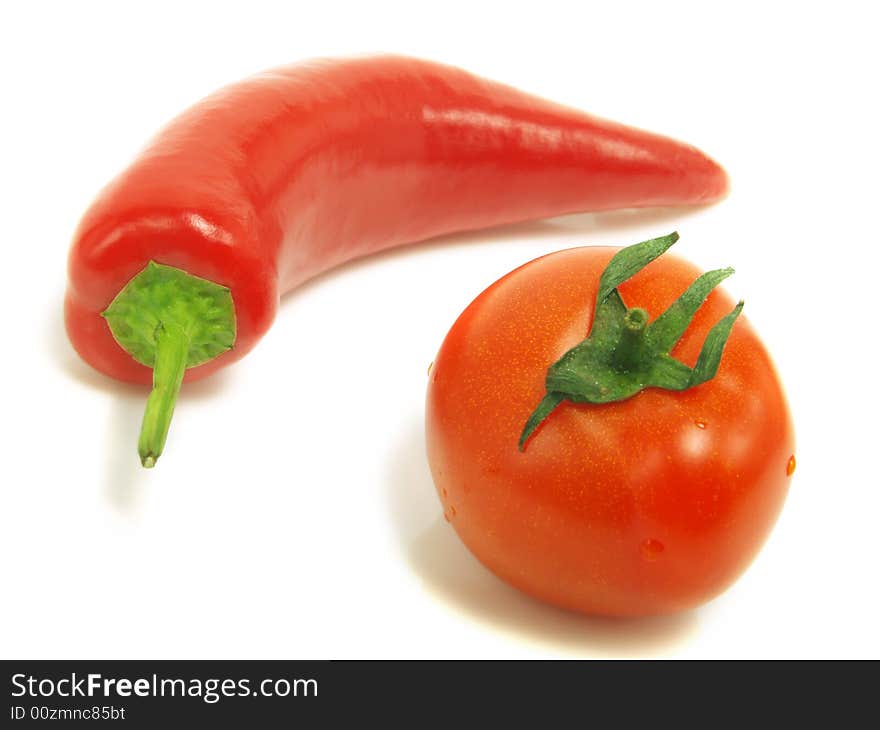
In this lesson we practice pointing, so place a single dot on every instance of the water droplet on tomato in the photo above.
(652, 549)
(700, 423)
(444, 493)
(791, 466)
(452, 511)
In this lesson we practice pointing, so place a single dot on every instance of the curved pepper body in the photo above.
(275, 179)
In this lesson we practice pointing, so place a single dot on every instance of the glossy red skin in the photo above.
(273, 180)
(646, 506)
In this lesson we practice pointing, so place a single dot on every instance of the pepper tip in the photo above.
(148, 461)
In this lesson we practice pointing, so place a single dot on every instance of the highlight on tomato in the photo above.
(607, 433)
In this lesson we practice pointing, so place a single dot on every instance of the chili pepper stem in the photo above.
(172, 351)
(169, 320)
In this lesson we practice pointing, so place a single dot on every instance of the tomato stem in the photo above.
(629, 349)
(624, 353)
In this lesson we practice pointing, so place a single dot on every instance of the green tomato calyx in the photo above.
(624, 353)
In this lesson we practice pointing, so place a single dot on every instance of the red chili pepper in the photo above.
(275, 179)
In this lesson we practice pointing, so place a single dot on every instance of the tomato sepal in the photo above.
(623, 353)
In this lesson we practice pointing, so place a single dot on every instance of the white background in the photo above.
(289, 521)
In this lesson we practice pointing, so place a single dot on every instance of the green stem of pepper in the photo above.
(172, 350)
(169, 320)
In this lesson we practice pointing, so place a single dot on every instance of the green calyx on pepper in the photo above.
(169, 320)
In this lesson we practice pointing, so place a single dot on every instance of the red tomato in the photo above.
(649, 505)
